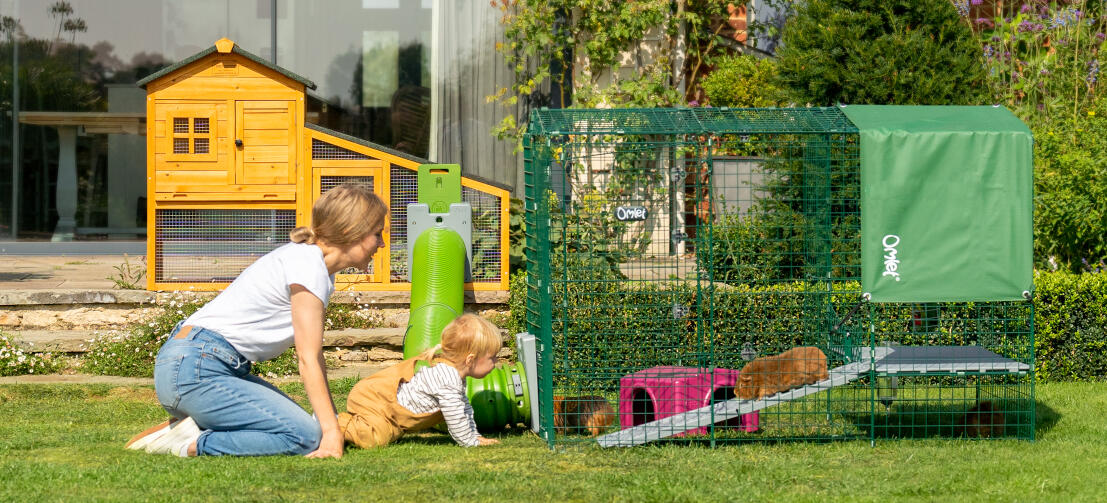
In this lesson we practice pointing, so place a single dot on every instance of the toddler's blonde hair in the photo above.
(468, 334)
(343, 216)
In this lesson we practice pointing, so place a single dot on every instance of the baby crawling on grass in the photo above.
(397, 400)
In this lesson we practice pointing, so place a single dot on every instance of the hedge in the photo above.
(607, 328)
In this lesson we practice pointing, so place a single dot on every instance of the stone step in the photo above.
(385, 341)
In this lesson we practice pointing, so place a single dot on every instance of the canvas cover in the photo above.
(946, 203)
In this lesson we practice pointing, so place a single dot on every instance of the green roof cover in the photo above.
(946, 203)
(237, 50)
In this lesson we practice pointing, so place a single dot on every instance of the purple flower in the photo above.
(962, 7)
(1093, 71)
(985, 21)
(693, 103)
(1025, 8)
(977, 2)
(1100, 36)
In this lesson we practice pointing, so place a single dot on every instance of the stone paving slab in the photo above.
(29, 297)
(53, 272)
(87, 279)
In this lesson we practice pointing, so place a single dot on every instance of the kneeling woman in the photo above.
(202, 374)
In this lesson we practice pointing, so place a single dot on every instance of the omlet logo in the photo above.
(891, 263)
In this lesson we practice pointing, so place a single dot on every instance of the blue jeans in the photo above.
(204, 377)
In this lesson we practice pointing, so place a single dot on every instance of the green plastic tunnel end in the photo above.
(501, 398)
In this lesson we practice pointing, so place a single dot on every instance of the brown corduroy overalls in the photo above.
(373, 417)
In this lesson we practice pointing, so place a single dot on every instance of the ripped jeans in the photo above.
(203, 376)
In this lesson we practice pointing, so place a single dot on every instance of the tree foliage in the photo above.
(903, 52)
(658, 44)
(743, 81)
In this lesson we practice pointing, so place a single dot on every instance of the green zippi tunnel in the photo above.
(437, 287)
(441, 225)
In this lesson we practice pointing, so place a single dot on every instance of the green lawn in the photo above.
(65, 443)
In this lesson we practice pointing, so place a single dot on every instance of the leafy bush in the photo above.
(15, 361)
(517, 304)
(903, 52)
(1070, 340)
(1070, 210)
(609, 328)
(742, 81)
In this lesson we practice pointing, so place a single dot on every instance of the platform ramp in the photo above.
(946, 360)
(884, 360)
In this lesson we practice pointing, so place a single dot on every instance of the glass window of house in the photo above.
(411, 75)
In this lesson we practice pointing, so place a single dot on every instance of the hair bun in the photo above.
(302, 235)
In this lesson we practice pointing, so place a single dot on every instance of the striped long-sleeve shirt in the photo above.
(441, 388)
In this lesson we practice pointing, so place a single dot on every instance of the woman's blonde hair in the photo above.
(468, 334)
(343, 216)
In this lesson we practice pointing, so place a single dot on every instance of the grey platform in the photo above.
(899, 360)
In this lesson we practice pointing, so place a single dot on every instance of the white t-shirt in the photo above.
(254, 313)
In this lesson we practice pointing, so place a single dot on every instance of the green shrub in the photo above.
(903, 52)
(1042, 62)
(1070, 210)
(1070, 340)
(517, 236)
(605, 329)
(15, 361)
(517, 304)
(744, 82)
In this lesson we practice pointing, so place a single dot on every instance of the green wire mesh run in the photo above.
(669, 249)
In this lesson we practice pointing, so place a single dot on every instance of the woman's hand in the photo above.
(481, 441)
(330, 446)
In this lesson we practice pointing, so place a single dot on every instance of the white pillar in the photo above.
(67, 184)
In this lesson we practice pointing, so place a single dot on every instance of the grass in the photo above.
(64, 443)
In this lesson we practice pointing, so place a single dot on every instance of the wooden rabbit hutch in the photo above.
(232, 167)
